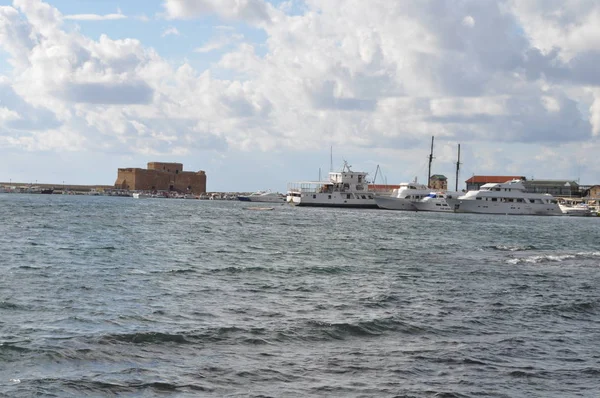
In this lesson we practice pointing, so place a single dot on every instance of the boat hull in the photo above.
(575, 211)
(331, 200)
(266, 199)
(438, 206)
(485, 207)
(392, 203)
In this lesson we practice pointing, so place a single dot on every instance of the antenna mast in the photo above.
(331, 158)
(457, 168)
(430, 160)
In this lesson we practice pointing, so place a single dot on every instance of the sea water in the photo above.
(103, 296)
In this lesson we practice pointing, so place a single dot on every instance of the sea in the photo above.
(120, 297)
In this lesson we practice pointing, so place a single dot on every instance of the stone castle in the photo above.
(162, 177)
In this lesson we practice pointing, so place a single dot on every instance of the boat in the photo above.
(404, 197)
(263, 196)
(259, 208)
(436, 201)
(576, 209)
(141, 195)
(505, 198)
(409, 194)
(47, 191)
(345, 188)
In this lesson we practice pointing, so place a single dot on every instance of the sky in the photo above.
(262, 93)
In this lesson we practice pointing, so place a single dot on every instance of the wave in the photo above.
(145, 338)
(7, 305)
(237, 270)
(86, 387)
(512, 248)
(553, 258)
(372, 328)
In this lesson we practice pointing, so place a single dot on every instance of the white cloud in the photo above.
(95, 17)
(378, 77)
(253, 11)
(219, 43)
(170, 31)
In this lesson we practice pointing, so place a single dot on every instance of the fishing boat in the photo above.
(345, 188)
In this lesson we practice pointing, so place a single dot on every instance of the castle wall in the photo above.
(166, 167)
(172, 179)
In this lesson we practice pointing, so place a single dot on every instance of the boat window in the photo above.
(363, 196)
(370, 197)
(329, 196)
(348, 196)
(314, 196)
(494, 199)
(478, 198)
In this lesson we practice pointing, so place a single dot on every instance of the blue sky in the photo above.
(256, 92)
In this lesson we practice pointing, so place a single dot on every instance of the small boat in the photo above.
(263, 196)
(47, 191)
(141, 195)
(576, 209)
(436, 201)
(259, 208)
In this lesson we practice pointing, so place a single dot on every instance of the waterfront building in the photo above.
(562, 188)
(161, 177)
(438, 182)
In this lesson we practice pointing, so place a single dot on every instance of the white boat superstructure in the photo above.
(141, 195)
(436, 201)
(506, 198)
(263, 196)
(344, 189)
(404, 197)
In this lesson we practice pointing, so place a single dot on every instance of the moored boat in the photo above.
(263, 196)
(576, 209)
(505, 198)
(346, 188)
(404, 197)
(436, 201)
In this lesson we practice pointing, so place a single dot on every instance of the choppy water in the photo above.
(105, 296)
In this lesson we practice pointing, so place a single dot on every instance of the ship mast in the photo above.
(430, 160)
(457, 168)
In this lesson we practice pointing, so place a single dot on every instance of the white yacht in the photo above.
(436, 201)
(506, 198)
(263, 196)
(344, 189)
(404, 197)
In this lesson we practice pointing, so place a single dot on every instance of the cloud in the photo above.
(252, 11)
(95, 17)
(170, 31)
(219, 42)
(108, 93)
(374, 78)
